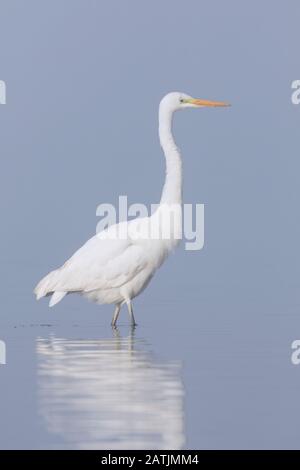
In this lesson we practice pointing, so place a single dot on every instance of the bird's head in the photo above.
(175, 101)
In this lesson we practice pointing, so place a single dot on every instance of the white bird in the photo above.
(116, 265)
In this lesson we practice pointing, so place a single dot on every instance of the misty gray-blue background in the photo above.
(84, 80)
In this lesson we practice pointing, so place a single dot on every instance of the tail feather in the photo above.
(56, 297)
(47, 285)
(50, 285)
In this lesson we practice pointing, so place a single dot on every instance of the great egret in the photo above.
(114, 269)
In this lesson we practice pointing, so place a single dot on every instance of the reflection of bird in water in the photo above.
(109, 394)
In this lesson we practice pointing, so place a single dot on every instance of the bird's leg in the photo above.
(130, 311)
(116, 314)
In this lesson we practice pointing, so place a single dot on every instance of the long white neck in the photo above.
(172, 191)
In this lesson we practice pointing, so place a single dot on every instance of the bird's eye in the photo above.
(181, 100)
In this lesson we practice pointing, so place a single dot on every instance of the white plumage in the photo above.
(116, 265)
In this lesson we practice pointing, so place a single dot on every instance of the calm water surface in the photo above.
(109, 393)
(186, 377)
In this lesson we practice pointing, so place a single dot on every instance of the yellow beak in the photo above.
(208, 103)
